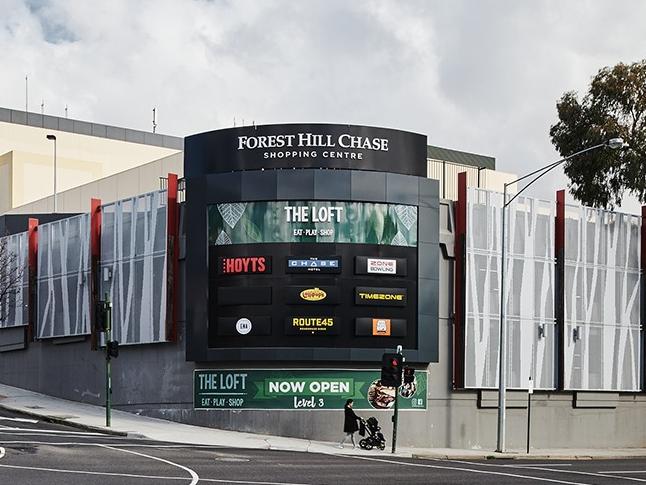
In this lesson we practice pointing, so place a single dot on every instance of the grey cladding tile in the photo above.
(259, 185)
(368, 186)
(50, 122)
(428, 260)
(5, 115)
(402, 189)
(35, 119)
(82, 127)
(99, 130)
(429, 334)
(366, 355)
(295, 184)
(429, 192)
(115, 133)
(225, 187)
(428, 224)
(173, 142)
(153, 139)
(428, 290)
(135, 136)
(332, 185)
(19, 117)
(66, 125)
(336, 354)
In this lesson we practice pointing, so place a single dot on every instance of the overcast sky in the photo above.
(479, 76)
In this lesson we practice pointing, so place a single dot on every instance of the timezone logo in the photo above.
(380, 296)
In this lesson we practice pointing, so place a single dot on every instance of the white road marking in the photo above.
(471, 470)
(121, 445)
(195, 477)
(47, 431)
(530, 465)
(622, 471)
(87, 472)
(151, 477)
(1, 452)
(574, 472)
(20, 420)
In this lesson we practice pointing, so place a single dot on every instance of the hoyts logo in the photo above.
(245, 265)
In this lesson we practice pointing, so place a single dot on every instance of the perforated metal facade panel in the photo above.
(133, 267)
(13, 306)
(64, 277)
(529, 291)
(602, 308)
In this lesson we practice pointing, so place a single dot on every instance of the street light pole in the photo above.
(613, 143)
(53, 137)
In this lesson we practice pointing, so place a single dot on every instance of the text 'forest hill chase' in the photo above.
(310, 140)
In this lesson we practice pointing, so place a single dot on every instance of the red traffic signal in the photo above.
(391, 370)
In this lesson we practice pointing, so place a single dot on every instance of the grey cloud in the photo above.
(51, 22)
(479, 76)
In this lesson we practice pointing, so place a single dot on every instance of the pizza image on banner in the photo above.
(298, 389)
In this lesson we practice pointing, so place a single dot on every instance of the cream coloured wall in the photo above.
(5, 181)
(80, 159)
(33, 175)
(138, 180)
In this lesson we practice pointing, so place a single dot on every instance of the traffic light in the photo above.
(391, 370)
(113, 348)
(409, 375)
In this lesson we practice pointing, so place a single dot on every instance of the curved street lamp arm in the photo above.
(546, 169)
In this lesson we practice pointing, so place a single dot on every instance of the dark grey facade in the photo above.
(310, 184)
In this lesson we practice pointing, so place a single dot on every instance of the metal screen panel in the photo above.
(602, 309)
(529, 291)
(63, 277)
(133, 267)
(14, 281)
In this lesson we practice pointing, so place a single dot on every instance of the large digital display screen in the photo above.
(312, 222)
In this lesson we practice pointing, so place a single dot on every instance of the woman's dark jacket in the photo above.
(350, 424)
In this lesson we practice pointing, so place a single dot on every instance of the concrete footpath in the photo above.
(90, 417)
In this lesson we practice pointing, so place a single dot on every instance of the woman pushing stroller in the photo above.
(350, 423)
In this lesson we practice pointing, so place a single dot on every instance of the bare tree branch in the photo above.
(12, 271)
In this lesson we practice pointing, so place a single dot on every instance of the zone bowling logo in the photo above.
(244, 265)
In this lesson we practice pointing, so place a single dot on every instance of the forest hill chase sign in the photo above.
(305, 144)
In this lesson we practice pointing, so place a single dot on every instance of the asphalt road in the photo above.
(33, 452)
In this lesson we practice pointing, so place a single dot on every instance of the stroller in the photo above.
(374, 438)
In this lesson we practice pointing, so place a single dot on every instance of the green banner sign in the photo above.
(302, 389)
(312, 221)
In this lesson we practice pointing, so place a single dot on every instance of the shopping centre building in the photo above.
(257, 274)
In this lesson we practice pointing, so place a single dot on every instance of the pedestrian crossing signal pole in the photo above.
(108, 376)
(392, 368)
(395, 416)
